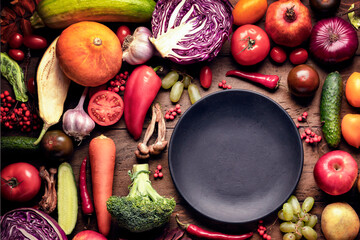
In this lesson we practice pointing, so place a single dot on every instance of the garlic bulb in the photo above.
(137, 49)
(76, 122)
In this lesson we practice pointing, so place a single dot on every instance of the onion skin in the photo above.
(333, 40)
(283, 29)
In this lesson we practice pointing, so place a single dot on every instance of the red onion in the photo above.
(333, 40)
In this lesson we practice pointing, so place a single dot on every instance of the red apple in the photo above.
(89, 235)
(335, 172)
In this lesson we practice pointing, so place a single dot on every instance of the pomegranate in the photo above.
(288, 22)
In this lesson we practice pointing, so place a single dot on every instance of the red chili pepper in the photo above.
(269, 81)
(141, 89)
(202, 233)
(86, 203)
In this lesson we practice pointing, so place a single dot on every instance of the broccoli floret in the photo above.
(143, 209)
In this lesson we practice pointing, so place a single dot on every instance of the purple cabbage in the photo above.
(189, 31)
(29, 223)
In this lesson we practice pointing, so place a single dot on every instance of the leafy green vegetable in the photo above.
(354, 20)
(143, 208)
(14, 74)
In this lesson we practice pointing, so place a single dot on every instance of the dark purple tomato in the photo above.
(278, 54)
(16, 54)
(57, 145)
(303, 81)
(324, 7)
(15, 40)
(298, 56)
(35, 42)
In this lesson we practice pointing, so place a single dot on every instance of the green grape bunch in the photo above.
(298, 222)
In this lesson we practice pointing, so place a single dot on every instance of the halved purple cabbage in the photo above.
(29, 223)
(188, 31)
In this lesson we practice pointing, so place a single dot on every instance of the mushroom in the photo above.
(49, 199)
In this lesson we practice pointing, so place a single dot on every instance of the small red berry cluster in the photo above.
(118, 84)
(262, 231)
(309, 136)
(22, 117)
(158, 173)
(223, 85)
(302, 118)
(172, 112)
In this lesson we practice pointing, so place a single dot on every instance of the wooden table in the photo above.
(125, 144)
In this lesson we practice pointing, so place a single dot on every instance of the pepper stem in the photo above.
(182, 225)
(157, 68)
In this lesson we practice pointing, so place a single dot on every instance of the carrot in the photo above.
(102, 161)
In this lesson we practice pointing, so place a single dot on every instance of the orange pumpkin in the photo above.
(89, 53)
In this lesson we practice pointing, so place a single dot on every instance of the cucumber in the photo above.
(330, 106)
(67, 196)
(63, 13)
(19, 144)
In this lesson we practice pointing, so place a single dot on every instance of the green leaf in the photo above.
(354, 20)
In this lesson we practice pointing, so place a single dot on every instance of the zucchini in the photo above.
(18, 144)
(63, 13)
(330, 106)
(67, 195)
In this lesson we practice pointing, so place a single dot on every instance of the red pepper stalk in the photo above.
(141, 89)
(269, 81)
(202, 233)
(86, 203)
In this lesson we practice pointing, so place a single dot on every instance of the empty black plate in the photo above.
(235, 156)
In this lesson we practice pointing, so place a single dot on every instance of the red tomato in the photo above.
(249, 45)
(105, 107)
(122, 32)
(16, 54)
(35, 42)
(31, 86)
(298, 56)
(278, 54)
(20, 182)
(205, 77)
(15, 40)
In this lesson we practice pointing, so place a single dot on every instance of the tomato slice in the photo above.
(105, 107)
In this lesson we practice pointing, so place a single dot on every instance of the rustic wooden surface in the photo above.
(125, 145)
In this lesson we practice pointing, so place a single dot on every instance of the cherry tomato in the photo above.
(20, 182)
(122, 32)
(16, 40)
(31, 86)
(278, 54)
(205, 77)
(105, 107)
(56, 145)
(16, 54)
(35, 42)
(298, 56)
(249, 45)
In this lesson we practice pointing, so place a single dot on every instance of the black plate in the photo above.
(235, 156)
